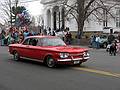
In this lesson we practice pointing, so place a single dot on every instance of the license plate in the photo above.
(76, 62)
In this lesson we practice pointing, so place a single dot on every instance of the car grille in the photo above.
(76, 55)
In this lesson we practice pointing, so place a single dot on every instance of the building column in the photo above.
(59, 20)
(62, 18)
(52, 25)
(45, 18)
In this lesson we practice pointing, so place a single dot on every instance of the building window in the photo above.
(118, 18)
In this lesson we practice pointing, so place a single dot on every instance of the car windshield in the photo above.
(53, 42)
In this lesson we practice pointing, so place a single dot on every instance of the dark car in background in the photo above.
(103, 40)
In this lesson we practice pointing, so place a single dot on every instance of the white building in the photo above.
(54, 11)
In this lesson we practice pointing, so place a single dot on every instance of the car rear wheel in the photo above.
(50, 62)
(16, 56)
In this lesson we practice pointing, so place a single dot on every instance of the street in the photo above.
(100, 72)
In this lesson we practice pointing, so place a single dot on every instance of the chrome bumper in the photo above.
(75, 59)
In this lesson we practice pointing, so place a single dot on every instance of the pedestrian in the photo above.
(97, 41)
(26, 32)
(92, 40)
(111, 38)
(49, 31)
(16, 35)
(45, 31)
(68, 37)
(3, 38)
(21, 36)
(113, 48)
(119, 37)
(7, 39)
(53, 33)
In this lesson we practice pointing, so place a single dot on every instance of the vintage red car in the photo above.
(50, 50)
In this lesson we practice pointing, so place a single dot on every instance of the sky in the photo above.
(35, 8)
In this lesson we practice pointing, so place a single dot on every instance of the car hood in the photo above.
(68, 49)
(103, 40)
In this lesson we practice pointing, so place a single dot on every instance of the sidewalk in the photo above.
(80, 43)
(83, 41)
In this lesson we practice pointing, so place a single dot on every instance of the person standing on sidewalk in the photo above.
(119, 37)
(3, 38)
(111, 38)
(97, 40)
(92, 40)
(68, 37)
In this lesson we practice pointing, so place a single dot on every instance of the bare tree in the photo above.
(82, 9)
(6, 8)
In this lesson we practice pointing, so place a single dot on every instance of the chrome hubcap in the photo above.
(16, 56)
(50, 62)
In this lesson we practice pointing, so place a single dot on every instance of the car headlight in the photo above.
(64, 55)
(85, 54)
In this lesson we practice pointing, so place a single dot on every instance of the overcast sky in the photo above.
(34, 7)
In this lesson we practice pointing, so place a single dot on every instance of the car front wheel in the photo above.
(50, 62)
(16, 56)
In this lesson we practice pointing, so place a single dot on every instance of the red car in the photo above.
(50, 50)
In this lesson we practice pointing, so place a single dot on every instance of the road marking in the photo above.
(99, 72)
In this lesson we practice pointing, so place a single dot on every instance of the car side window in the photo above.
(40, 42)
(26, 42)
(33, 42)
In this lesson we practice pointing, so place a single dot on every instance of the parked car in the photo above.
(103, 40)
(50, 50)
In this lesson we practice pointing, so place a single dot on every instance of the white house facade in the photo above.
(53, 15)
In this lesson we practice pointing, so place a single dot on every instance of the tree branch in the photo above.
(89, 4)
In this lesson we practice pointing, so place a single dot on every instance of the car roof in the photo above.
(41, 36)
